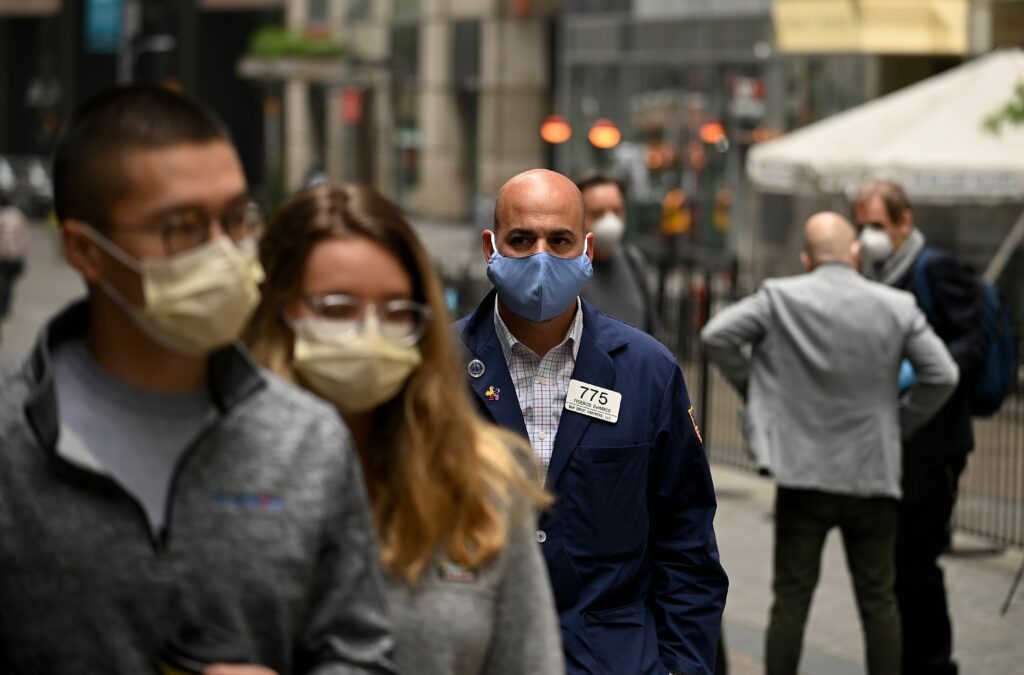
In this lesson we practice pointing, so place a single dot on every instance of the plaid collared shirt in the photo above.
(541, 383)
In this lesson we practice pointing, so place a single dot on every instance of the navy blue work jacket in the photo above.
(629, 542)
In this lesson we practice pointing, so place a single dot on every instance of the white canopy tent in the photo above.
(927, 136)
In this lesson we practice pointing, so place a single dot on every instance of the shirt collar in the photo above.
(508, 340)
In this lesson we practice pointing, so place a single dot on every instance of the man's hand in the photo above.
(237, 669)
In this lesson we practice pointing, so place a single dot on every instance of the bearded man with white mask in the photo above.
(895, 253)
(161, 498)
(619, 287)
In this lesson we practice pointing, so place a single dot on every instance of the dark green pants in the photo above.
(868, 526)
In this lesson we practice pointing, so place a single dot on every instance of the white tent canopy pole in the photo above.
(1006, 249)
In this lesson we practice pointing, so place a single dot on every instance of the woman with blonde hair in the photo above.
(353, 310)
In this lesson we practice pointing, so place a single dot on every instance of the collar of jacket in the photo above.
(602, 337)
(898, 265)
(232, 377)
(836, 267)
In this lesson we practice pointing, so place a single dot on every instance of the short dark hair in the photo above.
(892, 194)
(89, 174)
(597, 178)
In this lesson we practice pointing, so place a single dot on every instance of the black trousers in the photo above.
(922, 535)
(803, 519)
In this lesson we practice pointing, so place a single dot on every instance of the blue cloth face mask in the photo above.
(540, 286)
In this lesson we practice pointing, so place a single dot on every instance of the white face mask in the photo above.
(876, 245)
(356, 374)
(196, 301)
(608, 231)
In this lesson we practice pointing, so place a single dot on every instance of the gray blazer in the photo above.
(823, 407)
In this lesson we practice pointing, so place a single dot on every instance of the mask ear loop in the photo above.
(111, 248)
(117, 296)
(494, 246)
(287, 321)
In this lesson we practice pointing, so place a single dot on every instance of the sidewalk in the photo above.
(984, 642)
(47, 284)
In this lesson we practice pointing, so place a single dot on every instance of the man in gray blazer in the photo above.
(825, 416)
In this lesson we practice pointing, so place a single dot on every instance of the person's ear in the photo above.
(857, 253)
(906, 222)
(81, 252)
(488, 243)
(589, 240)
(805, 260)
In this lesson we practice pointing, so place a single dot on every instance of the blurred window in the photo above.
(585, 6)
(358, 9)
(405, 41)
(406, 10)
(316, 12)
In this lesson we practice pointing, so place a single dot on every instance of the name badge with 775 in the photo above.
(589, 399)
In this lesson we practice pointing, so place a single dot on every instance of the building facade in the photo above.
(55, 54)
(692, 84)
(435, 102)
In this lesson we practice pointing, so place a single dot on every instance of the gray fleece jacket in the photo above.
(268, 535)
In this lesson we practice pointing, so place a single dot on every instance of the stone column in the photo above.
(979, 39)
(440, 192)
(297, 119)
(513, 99)
(370, 37)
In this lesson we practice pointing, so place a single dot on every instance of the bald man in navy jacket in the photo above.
(629, 543)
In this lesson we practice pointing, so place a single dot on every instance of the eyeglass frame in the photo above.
(871, 224)
(316, 303)
(253, 220)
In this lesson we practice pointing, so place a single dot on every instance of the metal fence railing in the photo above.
(991, 500)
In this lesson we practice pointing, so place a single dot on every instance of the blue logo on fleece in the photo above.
(260, 501)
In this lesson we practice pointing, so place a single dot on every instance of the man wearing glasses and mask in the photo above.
(895, 253)
(161, 498)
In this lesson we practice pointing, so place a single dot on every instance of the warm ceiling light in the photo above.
(604, 134)
(555, 130)
(712, 132)
(654, 159)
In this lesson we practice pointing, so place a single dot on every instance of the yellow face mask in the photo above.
(195, 302)
(355, 373)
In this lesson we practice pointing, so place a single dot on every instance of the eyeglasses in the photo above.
(401, 321)
(874, 225)
(187, 229)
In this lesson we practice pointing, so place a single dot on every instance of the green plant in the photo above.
(275, 41)
(1011, 113)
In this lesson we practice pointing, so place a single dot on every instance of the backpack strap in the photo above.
(922, 289)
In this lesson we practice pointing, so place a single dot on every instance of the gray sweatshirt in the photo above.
(268, 535)
(498, 620)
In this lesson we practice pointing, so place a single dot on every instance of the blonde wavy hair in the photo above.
(440, 480)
